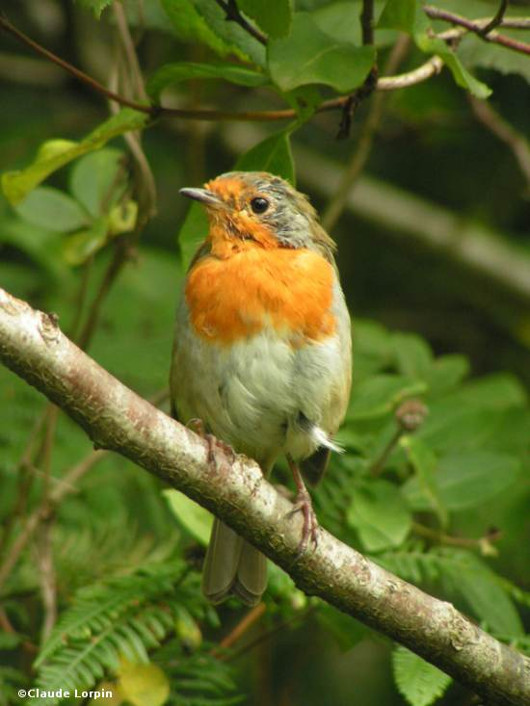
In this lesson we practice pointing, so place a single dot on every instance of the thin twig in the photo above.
(145, 187)
(248, 620)
(129, 49)
(6, 25)
(48, 577)
(120, 257)
(260, 639)
(497, 20)
(516, 141)
(57, 494)
(389, 83)
(436, 13)
(483, 544)
(364, 145)
(233, 14)
(367, 22)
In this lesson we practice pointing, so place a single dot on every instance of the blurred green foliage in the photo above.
(442, 501)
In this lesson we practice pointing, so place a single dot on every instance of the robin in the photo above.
(262, 352)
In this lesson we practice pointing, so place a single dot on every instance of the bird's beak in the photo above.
(204, 196)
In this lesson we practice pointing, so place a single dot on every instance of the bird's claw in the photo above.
(215, 445)
(311, 527)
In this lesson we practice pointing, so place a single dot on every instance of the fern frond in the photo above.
(463, 575)
(199, 679)
(124, 616)
(419, 682)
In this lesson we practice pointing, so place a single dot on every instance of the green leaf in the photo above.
(122, 218)
(310, 56)
(204, 21)
(97, 6)
(446, 373)
(191, 27)
(400, 15)
(194, 518)
(418, 681)
(272, 155)
(274, 21)
(347, 631)
(95, 180)
(413, 355)
(143, 684)
(408, 16)
(192, 233)
(380, 515)
(466, 479)
(79, 247)
(424, 462)
(380, 394)
(43, 247)
(461, 75)
(55, 154)
(52, 210)
(484, 593)
(184, 71)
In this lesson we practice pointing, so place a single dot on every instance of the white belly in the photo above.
(252, 393)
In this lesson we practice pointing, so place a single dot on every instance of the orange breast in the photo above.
(290, 290)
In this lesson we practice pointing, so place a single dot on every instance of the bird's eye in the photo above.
(259, 204)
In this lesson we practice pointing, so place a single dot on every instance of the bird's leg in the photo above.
(304, 505)
(214, 444)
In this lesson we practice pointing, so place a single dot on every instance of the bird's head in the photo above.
(257, 209)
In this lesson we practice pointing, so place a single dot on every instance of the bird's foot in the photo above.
(219, 452)
(311, 527)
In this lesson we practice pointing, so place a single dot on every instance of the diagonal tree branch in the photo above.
(115, 418)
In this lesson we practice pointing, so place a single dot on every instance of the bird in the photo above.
(262, 354)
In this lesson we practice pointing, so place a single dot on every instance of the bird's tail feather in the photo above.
(233, 567)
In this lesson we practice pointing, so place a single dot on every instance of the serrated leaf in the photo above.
(424, 462)
(16, 185)
(466, 479)
(418, 681)
(487, 598)
(380, 515)
(413, 355)
(205, 22)
(274, 21)
(194, 518)
(446, 372)
(272, 155)
(143, 684)
(187, 630)
(95, 180)
(237, 38)
(184, 71)
(311, 56)
(96, 6)
(380, 394)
